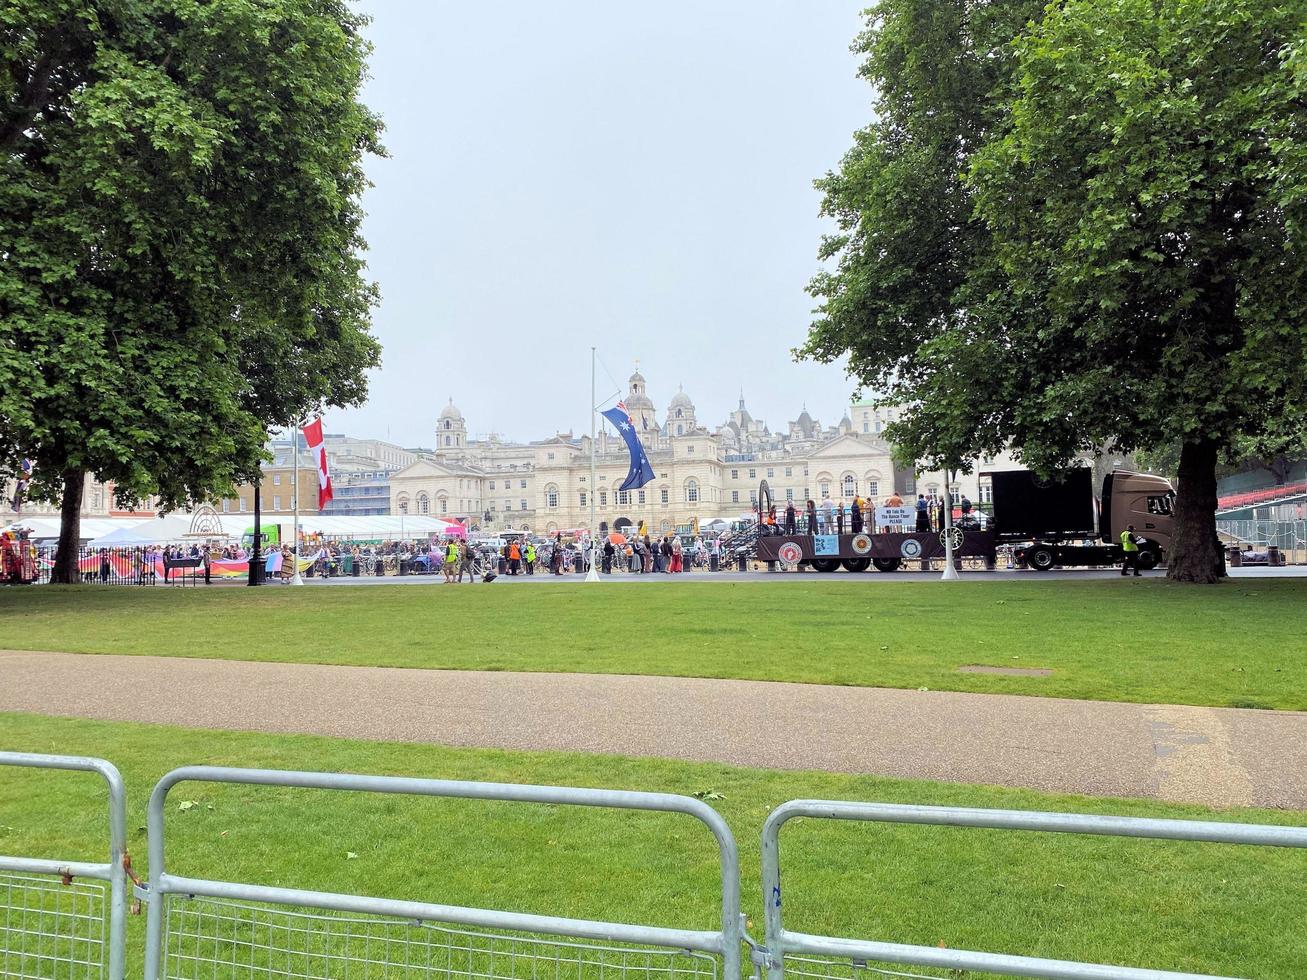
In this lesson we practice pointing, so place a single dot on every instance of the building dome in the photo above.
(682, 400)
(450, 412)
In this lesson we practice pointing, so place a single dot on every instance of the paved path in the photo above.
(1216, 756)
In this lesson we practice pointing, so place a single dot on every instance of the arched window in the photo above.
(848, 485)
(873, 488)
(424, 504)
(449, 440)
(448, 425)
(825, 489)
(679, 415)
(691, 491)
(551, 496)
(444, 504)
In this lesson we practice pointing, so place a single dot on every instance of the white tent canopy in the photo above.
(389, 527)
(158, 530)
(110, 532)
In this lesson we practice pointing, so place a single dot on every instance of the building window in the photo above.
(444, 506)
(873, 488)
(582, 499)
(492, 484)
(424, 504)
(986, 493)
(276, 501)
(735, 496)
(243, 505)
(226, 506)
(878, 425)
(623, 496)
(551, 496)
(770, 472)
(521, 505)
(735, 474)
(691, 492)
(403, 506)
(680, 429)
(663, 495)
(508, 505)
(276, 479)
(753, 474)
(789, 471)
(825, 490)
(603, 499)
(866, 427)
(689, 450)
(789, 495)
(492, 506)
(449, 440)
(848, 486)
(521, 484)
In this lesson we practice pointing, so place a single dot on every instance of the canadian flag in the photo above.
(313, 437)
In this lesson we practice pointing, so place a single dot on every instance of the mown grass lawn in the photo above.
(1193, 907)
(1241, 644)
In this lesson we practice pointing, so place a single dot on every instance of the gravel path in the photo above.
(1215, 756)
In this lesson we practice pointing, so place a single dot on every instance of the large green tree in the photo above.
(908, 245)
(1149, 199)
(180, 250)
(1133, 217)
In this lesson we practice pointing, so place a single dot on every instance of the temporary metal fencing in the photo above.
(813, 957)
(1288, 536)
(54, 926)
(199, 929)
(65, 920)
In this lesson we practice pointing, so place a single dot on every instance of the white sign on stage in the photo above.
(891, 516)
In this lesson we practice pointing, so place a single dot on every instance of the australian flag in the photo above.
(641, 472)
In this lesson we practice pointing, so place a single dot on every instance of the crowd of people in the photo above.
(858, 515)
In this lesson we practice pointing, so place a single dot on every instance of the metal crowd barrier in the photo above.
(199, 929)
(796, 954)
(53, 925)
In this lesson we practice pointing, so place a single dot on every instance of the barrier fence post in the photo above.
(55, 928)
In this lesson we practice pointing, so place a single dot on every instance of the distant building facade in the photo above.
(700, 472)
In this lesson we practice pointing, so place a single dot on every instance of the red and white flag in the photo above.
(313, 437)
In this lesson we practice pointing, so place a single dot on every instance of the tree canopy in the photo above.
(1131, 225)
(180, 237)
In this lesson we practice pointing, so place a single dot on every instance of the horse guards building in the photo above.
(701, 473)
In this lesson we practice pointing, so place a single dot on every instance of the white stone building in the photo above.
(700, 472)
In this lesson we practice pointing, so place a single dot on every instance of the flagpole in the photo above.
(593, 574)
(296, 578)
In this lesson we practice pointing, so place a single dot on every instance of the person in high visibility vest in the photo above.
(530, 558)
(514, 557)
(1129, 550)
(452, 557)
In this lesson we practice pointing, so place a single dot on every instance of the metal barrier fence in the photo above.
(53, 926)
(800, 955)
(200, 929)
(1289, 536)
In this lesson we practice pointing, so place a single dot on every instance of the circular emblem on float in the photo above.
(861, 544)
(955, 533)
(790, 553)
(910, 548)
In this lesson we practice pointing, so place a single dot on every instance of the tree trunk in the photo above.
(65, 570)
(1196, 554)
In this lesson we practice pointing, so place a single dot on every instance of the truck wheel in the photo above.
(856, 564)
(1148, 558)
(886, 564)
(825, 564)
(1041, 558)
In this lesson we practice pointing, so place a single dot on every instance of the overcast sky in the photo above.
(633, 176)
